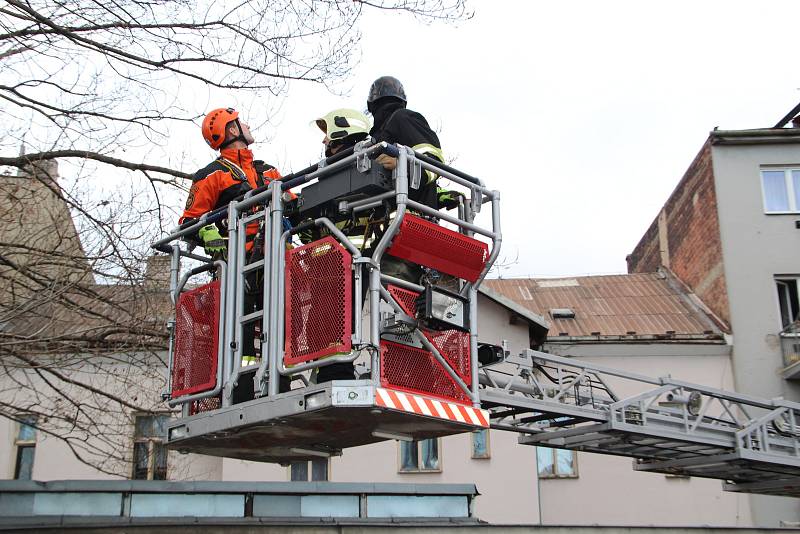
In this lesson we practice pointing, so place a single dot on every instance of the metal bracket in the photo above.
(397, 324)
(416, 174)
(475, 201)
(363, 163)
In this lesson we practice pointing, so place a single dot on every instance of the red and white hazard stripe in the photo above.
(407, 402)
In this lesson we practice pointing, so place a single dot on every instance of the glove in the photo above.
(388, 162)
(213, 242)
(448, 199)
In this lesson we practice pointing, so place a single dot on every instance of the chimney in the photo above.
(156, 274)
(44, 169)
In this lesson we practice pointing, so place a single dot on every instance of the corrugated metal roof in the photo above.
(628, 305)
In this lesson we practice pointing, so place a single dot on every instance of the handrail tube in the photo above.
(413, 204)
(277, 274)
(205, 217)
(300, 180)
(322, 362)
(497, 241)
(347, 206)
(174, 270)
(402, 283)
(197, 257)
(401, 187)
(192, 272)
(466, 183)
(473, 345)
(265, 296)
(220, 349)
(448, 168)
(230, 310)
(254, 196)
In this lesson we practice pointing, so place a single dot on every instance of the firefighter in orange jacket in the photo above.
(232, 174)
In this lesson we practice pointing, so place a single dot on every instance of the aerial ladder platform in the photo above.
(394, 311)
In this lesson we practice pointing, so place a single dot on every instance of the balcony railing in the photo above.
(790, 344)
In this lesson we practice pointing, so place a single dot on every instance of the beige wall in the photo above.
(607, 490)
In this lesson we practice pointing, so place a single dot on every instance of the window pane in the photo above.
(775, 197)
(319, 470)
(24, 470)
(480, 443)
(159, 426)
(796, 185)
(160, 464)
(409, 460)
(140, 460)
(144, 426)
(27, 432)
(565, 462)
(299, 472)
(544, 459)
(430, 453)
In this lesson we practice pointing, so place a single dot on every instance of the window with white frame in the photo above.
(420, 456)
(787, 300)
(781, 190)
(316, 470)
(25, 443)
(480, 444)
(149, 452)
(556, 463)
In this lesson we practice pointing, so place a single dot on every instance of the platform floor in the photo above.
(304, 424)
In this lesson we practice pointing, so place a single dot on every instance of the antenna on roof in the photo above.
(789, 116)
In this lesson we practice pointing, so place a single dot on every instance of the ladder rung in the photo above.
(253, 266)
(250, 317)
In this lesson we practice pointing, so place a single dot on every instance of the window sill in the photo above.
(417, 471)
(557, 477)
(795, 213)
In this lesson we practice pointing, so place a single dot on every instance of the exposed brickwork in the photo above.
(692, 251)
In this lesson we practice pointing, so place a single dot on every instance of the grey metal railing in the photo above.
(790, 344)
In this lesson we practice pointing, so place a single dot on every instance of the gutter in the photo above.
(755, 137)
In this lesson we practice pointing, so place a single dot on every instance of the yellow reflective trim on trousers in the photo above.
(429, 149)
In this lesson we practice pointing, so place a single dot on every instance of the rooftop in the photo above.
(632, 307)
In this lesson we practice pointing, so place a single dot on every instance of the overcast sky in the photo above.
(583, 114)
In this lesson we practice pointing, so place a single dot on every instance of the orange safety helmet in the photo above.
(214, 125)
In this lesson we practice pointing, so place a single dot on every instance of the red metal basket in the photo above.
(194, 365)
(425, 243)
(319, 301)
(453, 345)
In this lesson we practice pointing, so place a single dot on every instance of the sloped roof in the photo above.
(627, 306)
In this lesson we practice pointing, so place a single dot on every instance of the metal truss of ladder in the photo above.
(666, 425)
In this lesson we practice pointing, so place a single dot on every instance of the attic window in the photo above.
(562, 313)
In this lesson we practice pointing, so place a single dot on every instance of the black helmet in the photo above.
(386, 86)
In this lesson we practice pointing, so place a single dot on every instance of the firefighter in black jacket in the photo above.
(394, 123)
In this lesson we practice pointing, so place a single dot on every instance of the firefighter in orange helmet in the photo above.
(232, 174)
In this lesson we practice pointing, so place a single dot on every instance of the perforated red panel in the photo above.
(204, 405)
(412, 369)
(453, 345)
(425, 243)
(319, 301)
(194, 366)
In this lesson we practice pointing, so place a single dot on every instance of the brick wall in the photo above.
(685, 237)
